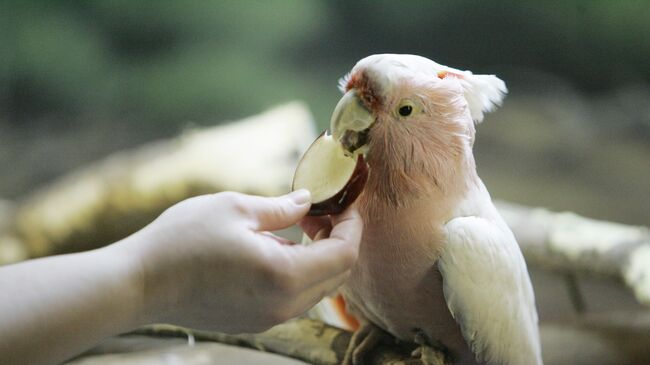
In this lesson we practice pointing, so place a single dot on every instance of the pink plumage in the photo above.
(436, 261)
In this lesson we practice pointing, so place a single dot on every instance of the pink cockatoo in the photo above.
(437, 264)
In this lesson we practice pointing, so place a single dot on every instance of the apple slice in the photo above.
(334, 179)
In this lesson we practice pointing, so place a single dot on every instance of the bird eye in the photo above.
(405, 110)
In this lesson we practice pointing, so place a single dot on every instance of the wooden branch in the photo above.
(11, 247)
(112, 198)
(304, 339)
(569, 243)
(6, 214)
(603, 338)
(172, 353)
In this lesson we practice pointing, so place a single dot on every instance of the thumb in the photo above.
(270, 214)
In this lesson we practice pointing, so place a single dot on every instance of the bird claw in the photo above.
(362, 342)
(429, 353)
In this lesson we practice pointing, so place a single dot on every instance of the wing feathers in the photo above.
(488, 291)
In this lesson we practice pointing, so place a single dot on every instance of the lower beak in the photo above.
(351, 122)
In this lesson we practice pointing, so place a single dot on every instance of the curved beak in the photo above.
(351, 121)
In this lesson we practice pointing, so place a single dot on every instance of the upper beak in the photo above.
(350, 122)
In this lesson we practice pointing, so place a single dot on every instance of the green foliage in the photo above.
(168, 62)
(162, 63)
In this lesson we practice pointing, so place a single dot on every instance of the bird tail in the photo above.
(332, 310)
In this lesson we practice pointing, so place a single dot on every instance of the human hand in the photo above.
(211, 262)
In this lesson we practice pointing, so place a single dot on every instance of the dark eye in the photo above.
(405, 110)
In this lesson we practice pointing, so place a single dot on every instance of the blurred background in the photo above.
(80, 79)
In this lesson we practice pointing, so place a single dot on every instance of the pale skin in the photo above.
(208, 262)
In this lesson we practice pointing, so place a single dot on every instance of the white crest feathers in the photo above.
(483, 93)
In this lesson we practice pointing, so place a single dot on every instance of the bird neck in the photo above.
(393, 188)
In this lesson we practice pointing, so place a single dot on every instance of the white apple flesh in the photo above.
(334, 179)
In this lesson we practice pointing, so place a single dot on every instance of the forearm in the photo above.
(54, 308)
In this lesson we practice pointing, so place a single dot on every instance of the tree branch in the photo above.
(568, 243)
(304, 339)
(110, 199)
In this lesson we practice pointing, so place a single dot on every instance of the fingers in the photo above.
(347, 226)
(323, 233)
(313, 225)
(270, 214)
(309, 297)
(327, 257)
(276, 238)
(306, 274)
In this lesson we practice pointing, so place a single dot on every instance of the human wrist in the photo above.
(157, 272)
(127, 258)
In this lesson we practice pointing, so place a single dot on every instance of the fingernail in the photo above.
(300, 196)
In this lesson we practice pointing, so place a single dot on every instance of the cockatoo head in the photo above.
(413, 119)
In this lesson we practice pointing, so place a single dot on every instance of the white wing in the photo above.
(488, 291)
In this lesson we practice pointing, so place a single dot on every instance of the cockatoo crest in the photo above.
(482, 92)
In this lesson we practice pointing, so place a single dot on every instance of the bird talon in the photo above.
(362, 342)
(429, 352)
(431, 356)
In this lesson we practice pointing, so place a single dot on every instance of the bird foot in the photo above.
(363, 341)
(430, 353)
